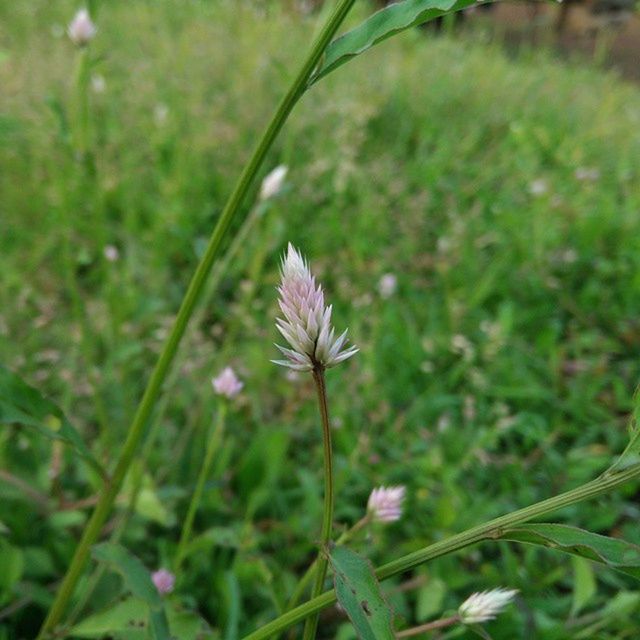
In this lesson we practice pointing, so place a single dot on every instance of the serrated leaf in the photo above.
(22, 404)
(613, 552)
(358, 592)
(138, 581)
(382, 25)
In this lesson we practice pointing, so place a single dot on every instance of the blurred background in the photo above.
(467, 193)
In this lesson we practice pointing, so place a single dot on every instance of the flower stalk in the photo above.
(154, 387)
(311, 624)
(213, 445)
(487, 531)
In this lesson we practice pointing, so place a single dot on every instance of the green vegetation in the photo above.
(502, 194)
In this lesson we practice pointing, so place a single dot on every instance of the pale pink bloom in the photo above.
(307, 324)
(164, 581)
(111, 253)
(81, 29)
(385, 503)
(273, 182)
(484, 606)
(387, 285)
(227, 383)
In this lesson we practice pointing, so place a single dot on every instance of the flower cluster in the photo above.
(484, 606)
(385, 503)
(273, 182)
(307, 322)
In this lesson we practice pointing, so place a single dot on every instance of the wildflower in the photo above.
(81, 29)
(160, 114)
(273, 182)
(485, 605)
(111, 253)
(387, 285)
(227, 383)
(307, 324)
(164, 581)
(587, 174)
(385, 503)
(98, 83)
(538, 187)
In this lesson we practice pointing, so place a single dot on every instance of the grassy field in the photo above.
(504, 197)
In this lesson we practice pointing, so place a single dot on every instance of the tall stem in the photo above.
(311, 624)
(488, 530)
(159, 374)
(212, 446)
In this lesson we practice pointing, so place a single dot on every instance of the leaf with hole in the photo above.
(613, 552)
(381, 25)
(359, 594)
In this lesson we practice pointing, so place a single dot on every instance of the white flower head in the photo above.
(81, 29)
(273, 182)
(385, 503)
(484, 606)
(307, 322)
(227, 383)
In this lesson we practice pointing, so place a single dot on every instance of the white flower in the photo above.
(81, 29)
(385, 503)
(485, 605)
(273, 182)
(98, 83)
(538, 187)
(387, 285)
(227, 383)
(307, 324)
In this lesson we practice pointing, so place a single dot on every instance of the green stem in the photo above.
(429, 626)
(159, 374)
(306, 578)
(311, 624)
(213, 445)
(489, 530)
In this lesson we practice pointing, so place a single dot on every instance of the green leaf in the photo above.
(128, 615)
(584, 584)
(617, 554)
(136, 576)
(430, 599)
(24, 405)
(138, 581)
(382, 25)
(359, 594)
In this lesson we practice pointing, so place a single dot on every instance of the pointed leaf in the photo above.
(24, 405)
(125, 616)
(631, 454)
(138, 581)
(613, 552)
(382, 25)
(359, 594)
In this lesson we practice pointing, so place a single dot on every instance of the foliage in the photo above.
(500, 370)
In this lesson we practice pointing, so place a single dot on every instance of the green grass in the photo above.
(500, 372)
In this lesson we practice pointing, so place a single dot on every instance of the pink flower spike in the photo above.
(81, 30)
(385, 503)
(307, 321)
(227, 383)
(164, 581)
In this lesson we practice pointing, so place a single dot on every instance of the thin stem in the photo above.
(429, 626)
(159, 374)
(311, 624)
(306, 578)
(489, 530)
(212, 447)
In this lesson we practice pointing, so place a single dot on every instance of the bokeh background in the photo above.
(468, 196)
